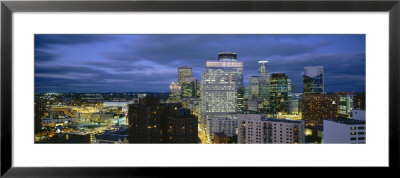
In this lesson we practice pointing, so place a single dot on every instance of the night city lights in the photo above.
(200, 89)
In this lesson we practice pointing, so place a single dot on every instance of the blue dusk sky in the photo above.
(148, 63)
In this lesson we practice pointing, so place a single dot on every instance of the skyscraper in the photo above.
(263, 68)
(280, 93)
(219, 92)
(184, 73)
(313, 79)
(175, 90)
(190, 88)
(264, 87)
(345, 104)
(254, 87)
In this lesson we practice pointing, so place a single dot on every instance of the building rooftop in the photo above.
(347, 121)
(283, 120)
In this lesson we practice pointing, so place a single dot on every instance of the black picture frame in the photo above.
(8, 7)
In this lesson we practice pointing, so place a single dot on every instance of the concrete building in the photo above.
(344, 131)
(256, 128)
(358, 115)
(151, 122)
(226, 126)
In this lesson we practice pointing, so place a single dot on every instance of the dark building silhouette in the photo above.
(151, 122)
(359, 101)
(40, 110)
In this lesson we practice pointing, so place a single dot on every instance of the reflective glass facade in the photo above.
(313, 79)
(280, 93)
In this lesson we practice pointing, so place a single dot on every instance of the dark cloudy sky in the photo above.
(137, 63)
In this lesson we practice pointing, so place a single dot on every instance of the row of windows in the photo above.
(359, 133)
(354, 128)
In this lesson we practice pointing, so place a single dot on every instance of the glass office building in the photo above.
(264, 86)
(280, 93)
(313, 79)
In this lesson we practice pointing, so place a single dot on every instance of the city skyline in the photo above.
(149, 63)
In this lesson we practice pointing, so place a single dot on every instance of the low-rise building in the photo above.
(344, 131)
(358, 114)
(256, 128)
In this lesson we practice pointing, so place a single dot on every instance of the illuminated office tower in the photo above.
(219, 92)
(345, 104)
(175, 93)
(263, 68)
(190, 88)
(316, 107)
(227, 56)
(184, 73)
(254, 87)
(313, 79)
(280, 93)
(264, 86)
(295, 103)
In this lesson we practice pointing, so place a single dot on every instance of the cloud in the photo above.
(149, 62)
(41, 56)
(47, 40)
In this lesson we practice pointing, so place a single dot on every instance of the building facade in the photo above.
(257, 129)
(313, 79)
(175, 91)
(219, 91)
(344, 131)
(317, 106)
(280, 93)
(190, 88)
(345, 104)
(161, 123)
(184, 73)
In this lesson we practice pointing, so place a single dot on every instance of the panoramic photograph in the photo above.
(199, 89)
